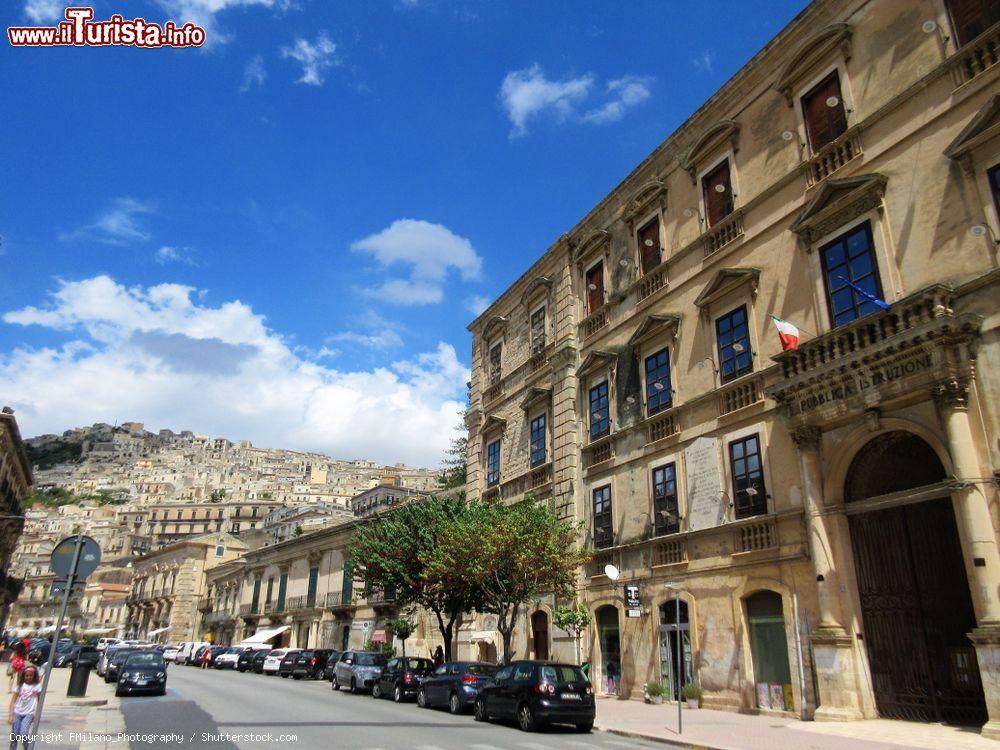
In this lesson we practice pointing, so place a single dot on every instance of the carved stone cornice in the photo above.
(952, 394)
(808, 56)
(807, 438)
(836, 203)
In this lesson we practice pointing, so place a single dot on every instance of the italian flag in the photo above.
(788, 334)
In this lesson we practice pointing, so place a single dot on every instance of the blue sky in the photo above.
(283, 235)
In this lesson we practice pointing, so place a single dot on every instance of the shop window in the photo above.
(665, 514)
(600, 416)
(850, 258)
(659, 394)
(717, 190)
(769, 651)
(493, 463)
(603, 525)
(970, 18)
(649, 246)
(538, 440)
(732, 333)
(749, 493)
(824, 112)
(595, 287)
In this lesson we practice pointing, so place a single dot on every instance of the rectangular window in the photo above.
(313, 582)
(733, 335)
(850, 257)
(255, 601)
(649, 246)
(270, 589)
(282, 588)
(495, 372)
(538, 440)
(749, 495)
(824, 112)
(603, 524)
(595, 288)
(665, 515)
(347, 584)
(538, 330)
(994, 177)
(659, 395)
(971, 18)
(220, 551)
(718, 192)
(493, 463)
(600, 416)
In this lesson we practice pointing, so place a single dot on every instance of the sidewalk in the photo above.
(726, 730)
(89, 723)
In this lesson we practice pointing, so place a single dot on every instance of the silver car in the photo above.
(358, 670)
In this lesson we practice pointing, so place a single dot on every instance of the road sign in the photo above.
(632, 595)
(62, 557)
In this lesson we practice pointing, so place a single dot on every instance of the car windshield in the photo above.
(121, 655)
(417, 665)
(562, 673)
(235, 650)
(145, 660)
(63, 648)
(306, 654)
(483, 670)
(369, 660)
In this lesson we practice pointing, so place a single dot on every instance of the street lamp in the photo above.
(680, 647)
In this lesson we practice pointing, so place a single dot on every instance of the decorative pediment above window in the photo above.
(654, 325)
(496, 324)
(594, 242)
(494, 423)
(727, 280)
(594, 361)
(983, 127)
(645, 199)
(725, 133)
(838, 202)
(535, 396)
(817, 50)
(539, 286)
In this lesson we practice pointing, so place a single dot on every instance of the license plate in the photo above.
(570, 696)
(141, 681)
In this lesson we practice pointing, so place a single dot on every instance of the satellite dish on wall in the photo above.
(832, 101)
(929, 27)
(977, 230)
(612, 572)
(787, 135)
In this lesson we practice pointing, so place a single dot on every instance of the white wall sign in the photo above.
(706, 505)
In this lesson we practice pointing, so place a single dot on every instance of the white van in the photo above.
(188, 650)
(103, 643)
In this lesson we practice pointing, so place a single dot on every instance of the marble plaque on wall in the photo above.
(706, 504)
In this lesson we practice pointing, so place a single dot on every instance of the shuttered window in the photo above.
(824, 112)
(718, 192)
(595, 287)
(649, 246)
(970, 18)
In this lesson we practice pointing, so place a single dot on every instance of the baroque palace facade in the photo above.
(804, 530)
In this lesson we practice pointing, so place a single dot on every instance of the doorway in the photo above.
(540, 635)
(769, 651)
(675, 647)
(915, 601)
(611, 650)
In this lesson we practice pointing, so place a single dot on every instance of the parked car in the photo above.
(310, 663)
(358, 670)
(455, 684)
(102, 663)
(245, 661)
(143, 671)
(331, 665)
(273, 661)
(82, 654)
(401, 677)
(103, 643)
(257, 665)
(536, 693)
(228, 658)
(115, 662)
(288, 662)
(170, 653)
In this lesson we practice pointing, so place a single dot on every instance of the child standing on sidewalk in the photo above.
(23, 704)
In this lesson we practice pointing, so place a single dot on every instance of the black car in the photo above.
(258, 660)
(536, 693)
(115, 662)
(455, 684)
(245, 662)
(331, 664)
(143, 671)
(287, 663)
(310, 663)
(401, 677)
(78, 654)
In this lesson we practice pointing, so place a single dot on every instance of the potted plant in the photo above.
(654, 693)
(692, 694)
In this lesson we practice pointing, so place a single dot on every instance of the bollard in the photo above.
(78, 681)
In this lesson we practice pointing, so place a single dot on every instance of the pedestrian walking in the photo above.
(206, 655)
(23, 704)
(438, 657)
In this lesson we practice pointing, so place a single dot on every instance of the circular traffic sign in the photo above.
(62, 557)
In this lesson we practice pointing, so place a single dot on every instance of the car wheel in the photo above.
(163, 690)
(354, 687)
(336, 685)
(585, 727)
(296, 677)
(479, 712)
(118, 692)
(376, 690)
(285, 675)
(422, 699)
(526, 718)
(454, 704)
(397, 694)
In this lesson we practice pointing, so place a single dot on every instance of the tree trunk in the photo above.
(505, 625)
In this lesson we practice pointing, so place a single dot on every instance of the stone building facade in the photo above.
(15, 481)
(805, 529)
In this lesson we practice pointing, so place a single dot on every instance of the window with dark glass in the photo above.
(659, 394)
(749, 495)
(595, 287)
(733, 335)
(495, 372)
(493, 463)
(994, 177)
(255, 599)
(313, 583)
(824, 112)
(970, 18)
(665, 515)
(270, 589)
(282, 589)
(538, 440)
(649, 246)
(600, 416)
(850, 257)
(603, 527)
(538, 330)
(718, 192)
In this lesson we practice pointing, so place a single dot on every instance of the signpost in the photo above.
(680, 649)
(75, 557)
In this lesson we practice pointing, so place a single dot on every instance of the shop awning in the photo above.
(158, 631)
(379, 637)
(263, 636)
(47, 629)
(98, 631)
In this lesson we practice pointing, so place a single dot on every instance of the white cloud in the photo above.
(476, 304)
(204, 12)
(376, 333)
(704, 63)
(528, 94)
(430, 251)
(170, 254)
(118, 224)
(45, 11)
(158, 355)
(254, 73)
(315, 58)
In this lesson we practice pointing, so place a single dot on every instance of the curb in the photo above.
(661, 740)
(80, 702)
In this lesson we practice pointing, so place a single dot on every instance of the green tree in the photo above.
(453, 474)
(401, 628)
(217, 495)
(391, 551)
(509, 555)
(573, 620)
